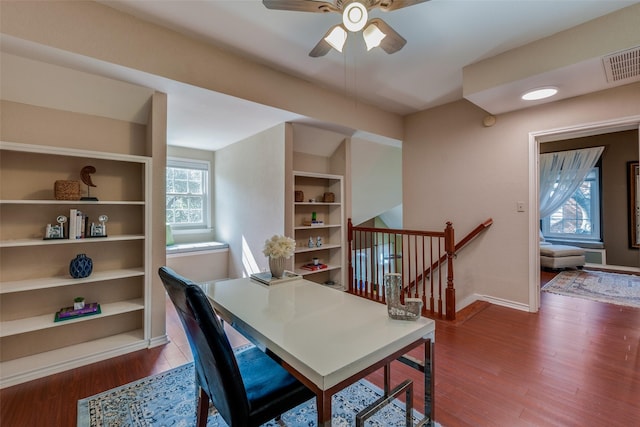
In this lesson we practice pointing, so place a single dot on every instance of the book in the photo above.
(313, 223)
(266, 278)
(70, 313)
(314, 267)
(73, 213)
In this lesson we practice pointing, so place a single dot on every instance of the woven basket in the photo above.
(329, 198)
(299, 196)
(66, 190)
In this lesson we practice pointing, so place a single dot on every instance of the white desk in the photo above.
(326, 338)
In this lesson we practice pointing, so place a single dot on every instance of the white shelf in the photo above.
(70, 202)
(71, 152)
(315, 248)
(50, 362)
(57, 281)
(311, 227)
(41, 242)
(317, 175)
(45, 321)
(303, 272)
(317, 203)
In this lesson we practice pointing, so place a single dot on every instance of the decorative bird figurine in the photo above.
(85, 175)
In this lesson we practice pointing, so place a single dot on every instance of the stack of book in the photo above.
(314, 267)
(78, 224)
(313, 223)
(69, 312)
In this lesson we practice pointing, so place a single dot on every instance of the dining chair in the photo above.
(248, 388)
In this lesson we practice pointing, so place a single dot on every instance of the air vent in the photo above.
(623, 67)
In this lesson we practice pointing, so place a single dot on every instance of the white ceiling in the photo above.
(443, 36)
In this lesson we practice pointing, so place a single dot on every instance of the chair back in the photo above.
(215, 364)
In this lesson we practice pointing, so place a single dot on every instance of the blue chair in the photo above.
(248, 389)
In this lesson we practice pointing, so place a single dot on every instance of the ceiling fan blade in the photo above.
(389, 5)
(300, 5)
(321, 49)
(393, 41)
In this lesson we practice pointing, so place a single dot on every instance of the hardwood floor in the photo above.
(575, 363)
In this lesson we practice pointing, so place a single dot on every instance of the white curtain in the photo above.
(561, 174)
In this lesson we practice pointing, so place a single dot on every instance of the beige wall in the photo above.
(620, 148)
(376, 185)
(250, 199)
(455, 169)
(201, 266)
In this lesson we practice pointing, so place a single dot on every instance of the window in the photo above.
(579, 217)
(187, 194)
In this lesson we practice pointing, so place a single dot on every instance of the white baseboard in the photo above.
(493, 300)
(158, 341)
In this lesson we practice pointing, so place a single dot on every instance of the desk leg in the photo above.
(427, 367)
(323, 403)
(429, 381)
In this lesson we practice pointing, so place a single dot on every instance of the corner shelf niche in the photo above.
(331, 252)
(34, 278)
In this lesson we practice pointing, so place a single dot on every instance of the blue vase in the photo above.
(81, 266)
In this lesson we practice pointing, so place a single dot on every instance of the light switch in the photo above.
(520, 206)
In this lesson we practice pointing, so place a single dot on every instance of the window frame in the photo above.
(596, 216)
(191, 164)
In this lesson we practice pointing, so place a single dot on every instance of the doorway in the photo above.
(535, 139)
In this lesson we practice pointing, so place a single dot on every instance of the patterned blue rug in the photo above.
(168, 399)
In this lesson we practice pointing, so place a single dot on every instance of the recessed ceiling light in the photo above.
(540, 93)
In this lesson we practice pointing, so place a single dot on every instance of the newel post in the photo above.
(450, 248)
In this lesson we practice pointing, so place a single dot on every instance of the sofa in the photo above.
(557, 257)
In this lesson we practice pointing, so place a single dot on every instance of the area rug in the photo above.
(168, 399)
(614, 288)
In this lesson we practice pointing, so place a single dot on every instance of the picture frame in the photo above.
(633, 173)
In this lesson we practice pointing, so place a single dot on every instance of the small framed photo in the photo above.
(98, 230)
(55, 231)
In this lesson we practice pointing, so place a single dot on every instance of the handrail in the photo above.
(419, 253)
(461, 244)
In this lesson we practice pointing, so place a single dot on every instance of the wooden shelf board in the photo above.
(53, 361)
(45, 321)
(316, 175)
(303, 272)
(57, 281)
(303, 249)
(41, 242)
(311, 227)
(316, 204)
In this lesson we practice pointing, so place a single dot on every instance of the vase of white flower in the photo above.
(276, 266)
(278, 249)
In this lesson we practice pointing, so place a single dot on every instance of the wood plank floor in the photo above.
(575, 363)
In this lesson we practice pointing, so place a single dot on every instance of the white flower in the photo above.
(279, 247)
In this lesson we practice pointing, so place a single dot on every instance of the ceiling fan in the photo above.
(355, 15)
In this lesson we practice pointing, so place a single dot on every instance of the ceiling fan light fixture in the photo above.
(373, 36)
(540, 93)
(336, 38)
(354, 16)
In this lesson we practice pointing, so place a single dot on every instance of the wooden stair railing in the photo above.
(408, 252)
(461, 244)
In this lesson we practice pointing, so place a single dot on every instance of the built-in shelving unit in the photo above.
(331, 231)
(34, 279)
